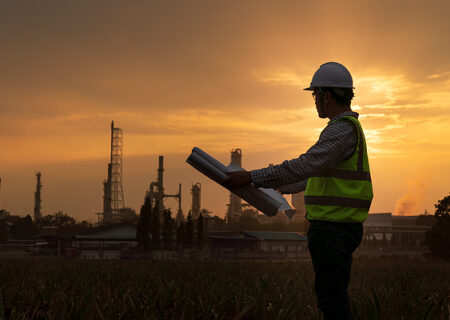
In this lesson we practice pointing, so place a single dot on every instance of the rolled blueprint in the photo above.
(265, 200)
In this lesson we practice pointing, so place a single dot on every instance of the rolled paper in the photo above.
(268, 201)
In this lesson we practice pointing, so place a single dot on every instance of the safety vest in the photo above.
(343, 193)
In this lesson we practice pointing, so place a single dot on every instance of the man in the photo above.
(335, 175)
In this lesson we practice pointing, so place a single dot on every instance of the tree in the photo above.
(180, 235)
(128, 215)
(58, 219)
(442, 208)
(4, 230)
(189, 231)
(425, 219)
(4, 213)
(143, 227)
(23, 228)
(200, 231)
(218, 223)
(154, 226)
(167, 228)
(438, 238)
(247, 222)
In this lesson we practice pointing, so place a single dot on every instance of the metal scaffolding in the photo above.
(117, 199)
(113, 199)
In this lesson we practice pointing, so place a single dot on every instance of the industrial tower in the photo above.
(156, 193)
(37, 199)
(0, 194)
(196, 197)
(113, 200)
(235, 205)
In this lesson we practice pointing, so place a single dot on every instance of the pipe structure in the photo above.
(158, 195)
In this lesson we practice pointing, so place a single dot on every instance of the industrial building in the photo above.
(258, 245)
(393, 235)
(107, 242)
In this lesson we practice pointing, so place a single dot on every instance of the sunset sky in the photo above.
(218, 75)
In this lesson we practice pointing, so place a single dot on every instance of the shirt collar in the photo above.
(343, 114)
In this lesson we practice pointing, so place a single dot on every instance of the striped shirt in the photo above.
(337, 142)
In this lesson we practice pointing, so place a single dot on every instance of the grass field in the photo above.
(71, 289)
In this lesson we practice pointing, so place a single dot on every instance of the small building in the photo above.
(404, 221)
(258, 245)
(107, 242)
(379, 220)
(385, 233)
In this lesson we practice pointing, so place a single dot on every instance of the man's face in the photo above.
(319, 99)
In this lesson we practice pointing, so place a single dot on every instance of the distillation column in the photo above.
(157, 195)
(37, 199)
(196, 199)
(235, 206)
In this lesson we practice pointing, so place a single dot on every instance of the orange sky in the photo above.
(218, 75)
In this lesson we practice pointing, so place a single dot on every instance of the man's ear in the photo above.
(327, 96)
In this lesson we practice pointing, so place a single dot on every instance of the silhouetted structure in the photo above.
(37, 199)
(113, 199)
(156, 193)
(235, 205)
(196, 199)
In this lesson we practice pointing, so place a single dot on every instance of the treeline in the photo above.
(155, 234)
(438, 238)
(15, 227)
(152, 233)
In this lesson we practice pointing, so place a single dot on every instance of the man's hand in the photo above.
(237, 179)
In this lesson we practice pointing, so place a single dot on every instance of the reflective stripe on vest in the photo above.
(339, 201)
(343, 193)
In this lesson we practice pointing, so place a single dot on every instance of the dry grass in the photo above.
(68, 289)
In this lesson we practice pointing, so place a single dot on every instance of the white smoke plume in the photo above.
(409, 204)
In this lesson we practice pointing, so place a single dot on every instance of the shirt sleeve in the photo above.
(336, 142)
(293, 188)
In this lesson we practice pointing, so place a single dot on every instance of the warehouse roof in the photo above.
(272, 235)
(113, 232)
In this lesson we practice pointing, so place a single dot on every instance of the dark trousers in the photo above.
(331, 246)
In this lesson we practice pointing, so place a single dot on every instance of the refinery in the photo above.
(243, 233)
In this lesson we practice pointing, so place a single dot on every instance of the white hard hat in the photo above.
(331, 74)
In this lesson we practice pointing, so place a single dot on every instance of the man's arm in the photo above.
(293, 188)
(336, 143)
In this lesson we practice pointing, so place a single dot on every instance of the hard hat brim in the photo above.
(328, 86)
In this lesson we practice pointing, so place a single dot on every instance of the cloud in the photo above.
(283, 77)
